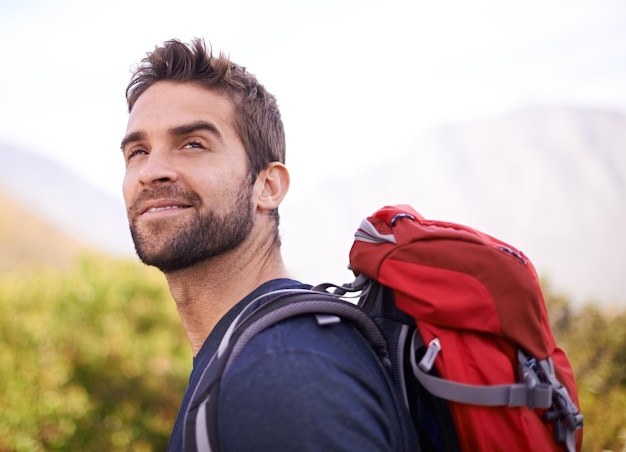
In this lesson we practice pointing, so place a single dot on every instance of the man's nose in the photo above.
(158, 168)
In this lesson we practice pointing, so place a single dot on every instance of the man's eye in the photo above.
(193, 145)
(135, 152)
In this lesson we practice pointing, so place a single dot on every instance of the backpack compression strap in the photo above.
(540, 389)
(531, 393)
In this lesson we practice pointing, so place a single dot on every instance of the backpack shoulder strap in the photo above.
(200, 428)
(328, 308)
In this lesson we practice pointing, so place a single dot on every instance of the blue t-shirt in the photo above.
(299, 386)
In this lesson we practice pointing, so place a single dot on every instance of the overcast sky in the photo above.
(357, 80)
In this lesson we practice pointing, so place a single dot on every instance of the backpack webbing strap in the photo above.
(531, 394)
(202, 434)
(565, 414)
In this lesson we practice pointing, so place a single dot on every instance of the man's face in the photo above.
(187, 189)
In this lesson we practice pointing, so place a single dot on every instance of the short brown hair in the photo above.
(256, 115)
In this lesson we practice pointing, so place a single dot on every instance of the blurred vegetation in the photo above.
(94, 358)
(595, 342)
(91, 358)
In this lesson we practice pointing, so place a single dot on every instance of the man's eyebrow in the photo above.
(175, 131)
(194, 127)
(132, 137)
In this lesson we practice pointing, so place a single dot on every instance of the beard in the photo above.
(206, 235)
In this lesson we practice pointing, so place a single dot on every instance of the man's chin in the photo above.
(154, 252)
(165, 263)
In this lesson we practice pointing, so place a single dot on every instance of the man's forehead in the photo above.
(172, 104)
(187, 92)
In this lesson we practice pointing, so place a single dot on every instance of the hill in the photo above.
(551, 181)
(28, 242)
(53, 193)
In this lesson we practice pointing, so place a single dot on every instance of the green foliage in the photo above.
(95, 358)
(595, 343)
(90, 359)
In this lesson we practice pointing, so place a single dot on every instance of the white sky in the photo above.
(357, 80)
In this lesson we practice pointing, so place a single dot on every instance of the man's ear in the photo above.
(271, 186)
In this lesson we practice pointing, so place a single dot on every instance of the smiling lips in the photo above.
(163, 201)
(163, 205)
(158, 209)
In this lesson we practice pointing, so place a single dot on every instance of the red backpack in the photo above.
(489, 351)
(458, 319)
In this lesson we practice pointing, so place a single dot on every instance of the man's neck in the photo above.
(206, 291)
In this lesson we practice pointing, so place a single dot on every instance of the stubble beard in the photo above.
(206, 235)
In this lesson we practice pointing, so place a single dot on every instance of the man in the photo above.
(205, 174)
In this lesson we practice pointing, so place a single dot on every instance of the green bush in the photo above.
(595, 342)
(95, 358)
(90, 359)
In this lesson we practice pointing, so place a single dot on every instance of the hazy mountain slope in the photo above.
(27, 242)
(54, 193)
(550, 181)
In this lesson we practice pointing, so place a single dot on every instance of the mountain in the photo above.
(550, 181)
(51, 192)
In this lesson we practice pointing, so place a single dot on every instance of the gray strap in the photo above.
(318, 304)
(368, 233)
(248, 309)
(514, 395)
(570, 419)
(202, 435)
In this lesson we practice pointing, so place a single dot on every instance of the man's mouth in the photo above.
(162, 206)
(158, 209)
(162, 201)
